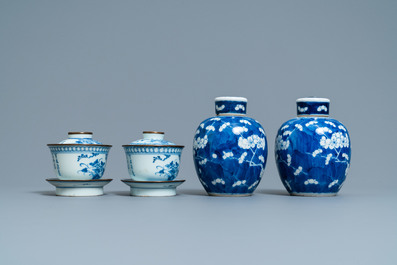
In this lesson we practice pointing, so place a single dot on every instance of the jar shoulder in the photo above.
(313, 123)
(231, 121)
(309, 134)
(225, 128)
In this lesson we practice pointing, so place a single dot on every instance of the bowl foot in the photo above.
(152, 192)
(78, 192)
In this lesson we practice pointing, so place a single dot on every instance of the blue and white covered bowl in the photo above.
(79, 157)
(313, 151)
(153, 158)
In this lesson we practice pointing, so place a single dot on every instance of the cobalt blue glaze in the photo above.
(312, 154)
(230, 154)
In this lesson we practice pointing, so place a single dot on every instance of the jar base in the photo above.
(313, 194)
(230, 194)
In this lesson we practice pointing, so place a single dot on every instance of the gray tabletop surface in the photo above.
(118, 68)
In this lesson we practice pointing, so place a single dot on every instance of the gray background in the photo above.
(120, 67)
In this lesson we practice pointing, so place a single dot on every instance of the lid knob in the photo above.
(74, 135)
(153, 135)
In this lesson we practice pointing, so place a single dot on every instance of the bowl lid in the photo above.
(79, 138)
(153, 138)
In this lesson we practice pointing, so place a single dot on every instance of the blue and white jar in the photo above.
(230, 150)
(153, 158)
(313, 151)
(79, 157)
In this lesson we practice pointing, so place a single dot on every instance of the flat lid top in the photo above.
(313, 99)
(231, 99)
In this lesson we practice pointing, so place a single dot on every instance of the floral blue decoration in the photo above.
(170, 170)
(94, 169)
(86, 156)
(161, 158)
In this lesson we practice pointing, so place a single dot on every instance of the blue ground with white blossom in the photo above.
(230, 154)
(313, 155)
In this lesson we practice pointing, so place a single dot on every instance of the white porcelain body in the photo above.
(153, 163)
(152, 158)
(79, 158)
(79, 162)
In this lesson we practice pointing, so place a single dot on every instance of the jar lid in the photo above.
(312, 106)
(230, 106)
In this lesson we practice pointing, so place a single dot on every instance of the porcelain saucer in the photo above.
(153, 188)
(76, 188)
